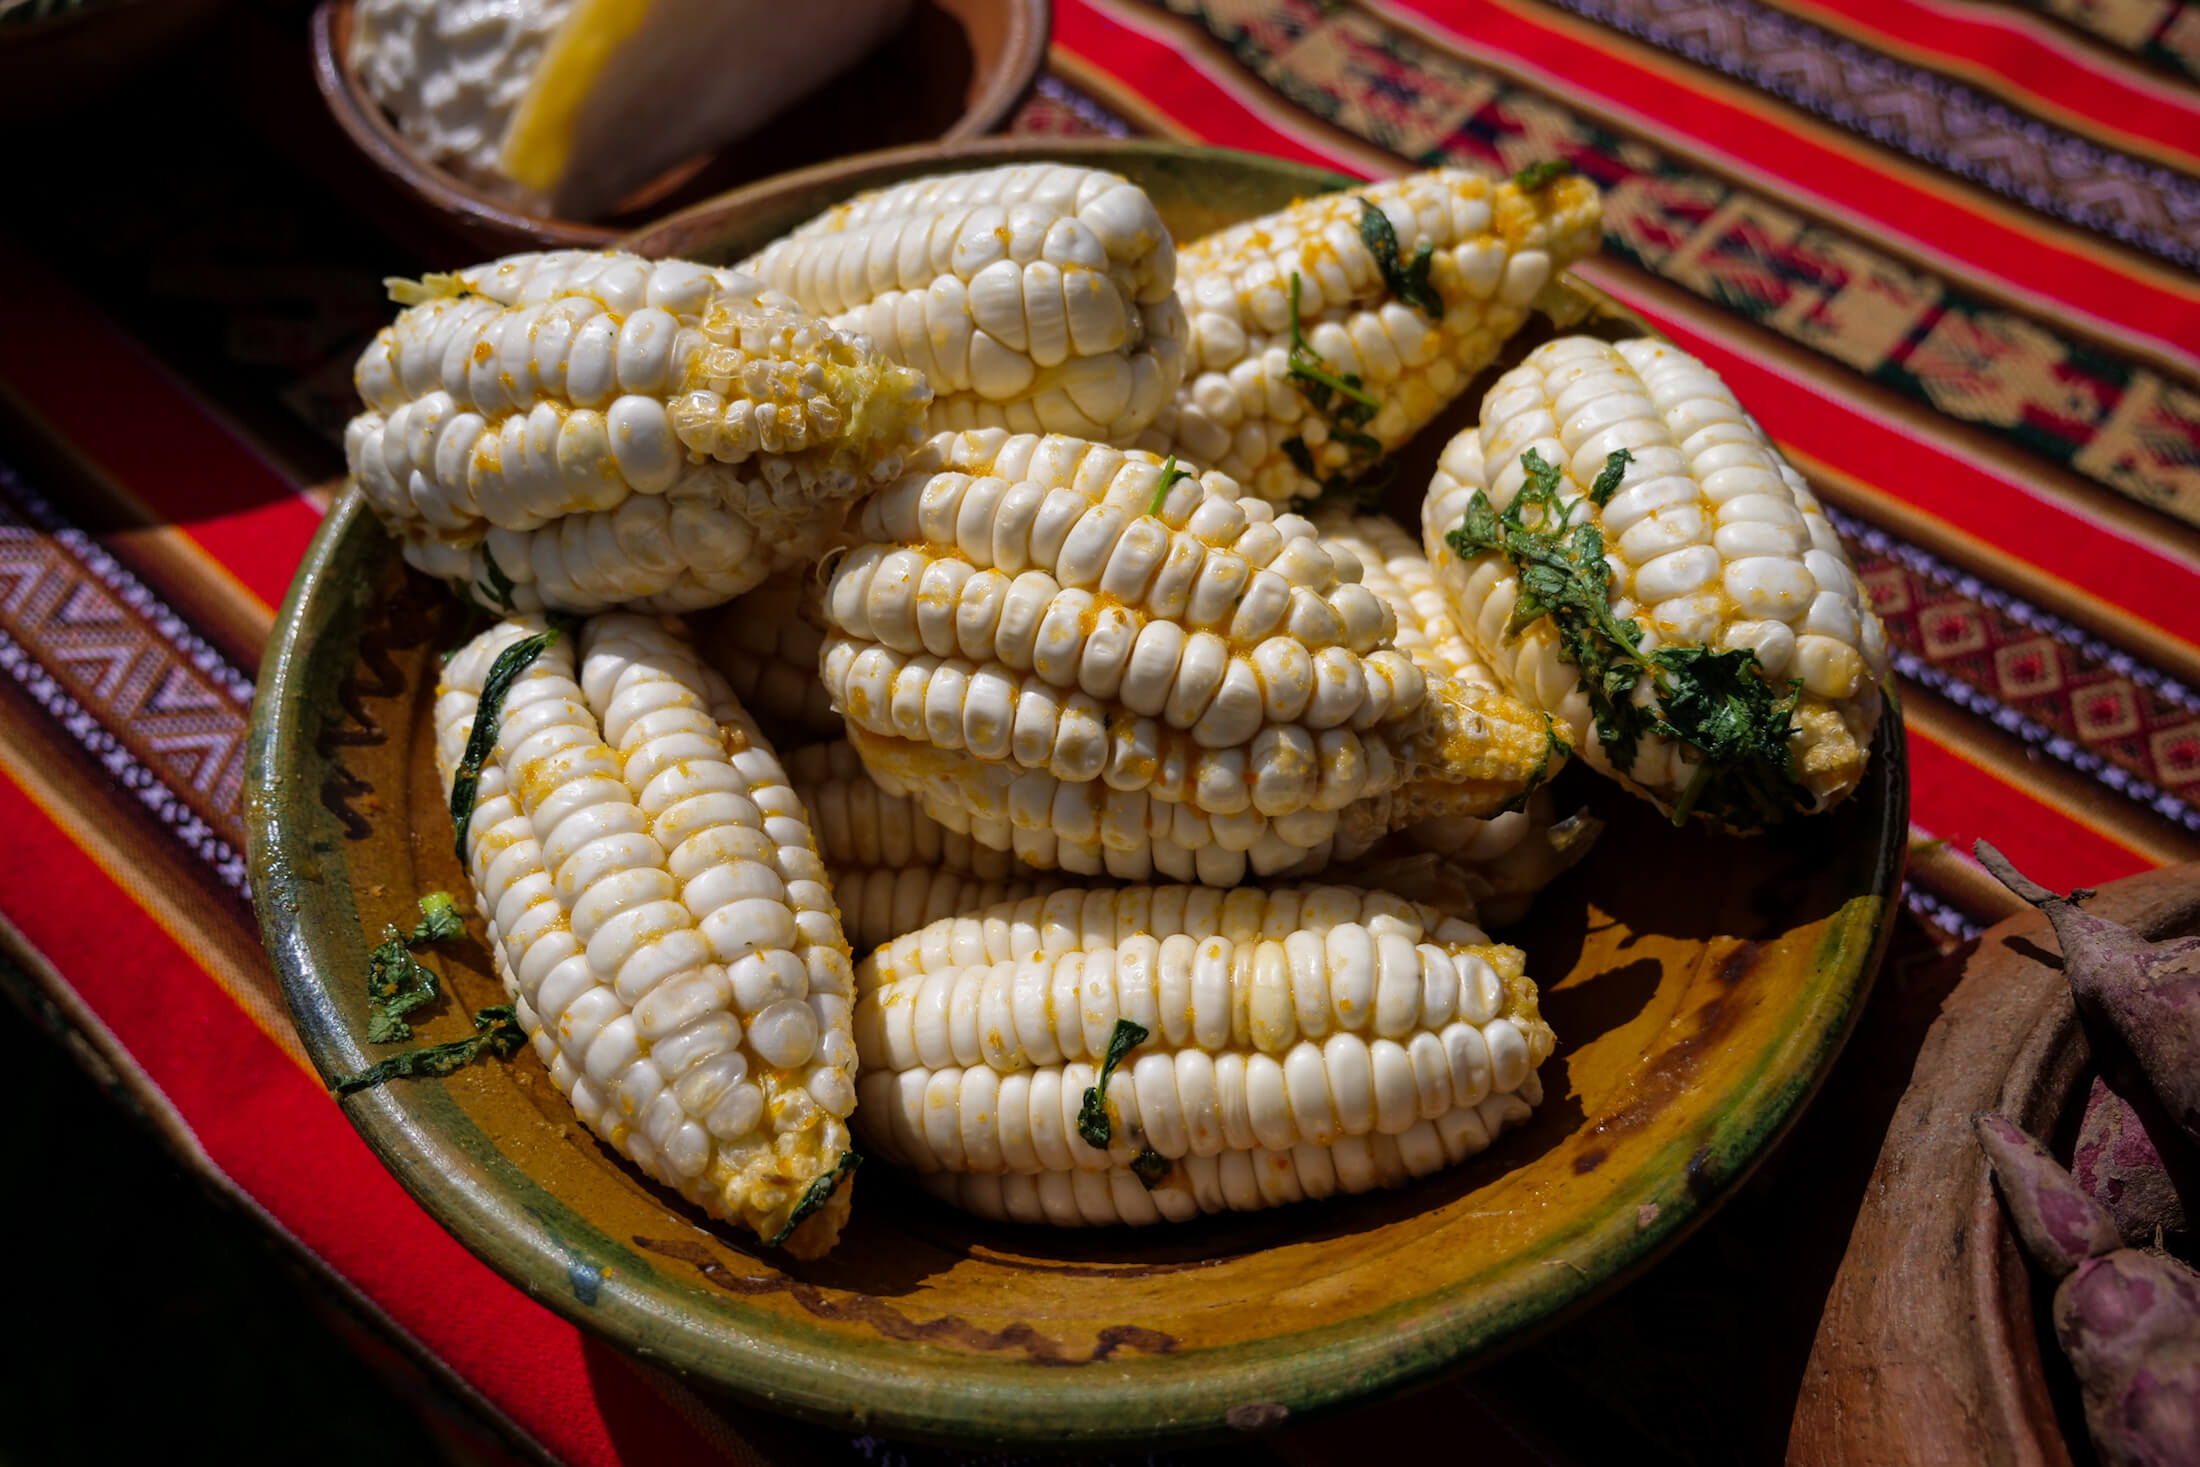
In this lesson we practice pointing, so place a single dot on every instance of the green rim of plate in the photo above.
(311, 926)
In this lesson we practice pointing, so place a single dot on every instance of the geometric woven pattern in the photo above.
(2063, 692)
(1927, 116)
(158, 707)
(2037, 383)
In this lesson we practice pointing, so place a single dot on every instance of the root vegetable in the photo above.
(2125, 1165)
(2147, 993)
(2129, 1319)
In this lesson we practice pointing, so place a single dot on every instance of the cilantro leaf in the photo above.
(396, 985)
(1718, 703)
(1409, 283)
(1311, 372)
(818, 1194)
(1092, 1116)
(498, 1032)
(1542, 175)
(1170, 473)
(1342, 403)
(396, 982)
(1607, 482)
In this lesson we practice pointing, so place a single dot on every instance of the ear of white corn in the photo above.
(1325, 336)
(579, 430)
(766, 644)
(1036, 297)
(659, 914)
(1067, 652)
(1154, 1053)
(1632, 554)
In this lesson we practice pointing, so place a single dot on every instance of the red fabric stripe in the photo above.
(121, 410)
(2071, 79)
(1171, 84)
(2000, 512)
(1929, 215)
(278, 1136)
(1959, 801)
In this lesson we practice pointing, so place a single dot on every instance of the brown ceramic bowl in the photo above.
(955, 70)
(1700, 987)
(1931, 1345)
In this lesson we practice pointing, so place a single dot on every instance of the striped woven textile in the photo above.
(1944, 249)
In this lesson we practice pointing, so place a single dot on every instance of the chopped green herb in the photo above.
(1151, 1168)
(1316, 382)
(1170, 473)
(1542, 175)
(1718, 703)
(498, 1033)
(396, 982)
(506, 670)
(1092, 1116)
(1607, 482)
(500, 584)
(1341, 402)
(440, 919)
(820, 1192)
(1409, 283)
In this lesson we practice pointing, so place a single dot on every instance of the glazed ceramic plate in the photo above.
(1700, 986)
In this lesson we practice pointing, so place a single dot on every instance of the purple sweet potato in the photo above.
(2058, 1224)
(2129, 1319)
(2143, 1184)
(2147, 993)
(2130, 1323)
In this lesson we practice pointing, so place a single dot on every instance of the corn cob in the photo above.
(1064, 654)
(1698, 579)
(577, 431)
(1325, 336)
(1035, 297)
(766, 644)
(659, 913)
(1153, 1053)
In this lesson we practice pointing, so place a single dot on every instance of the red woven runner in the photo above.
(1944, 250)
